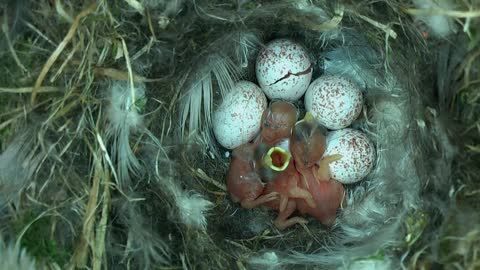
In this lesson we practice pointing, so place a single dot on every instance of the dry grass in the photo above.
(56, 71)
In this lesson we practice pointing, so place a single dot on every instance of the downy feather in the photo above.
(144, 244)
(213, 77)
(12, 257)
(18, 164)
(124, 120)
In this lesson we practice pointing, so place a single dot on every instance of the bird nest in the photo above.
(108, 158)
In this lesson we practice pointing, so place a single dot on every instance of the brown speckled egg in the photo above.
(237, 120)
(357, 151)
(334, 101)
(284, 70)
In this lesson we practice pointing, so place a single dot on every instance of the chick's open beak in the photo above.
(271, 161)
(277, 159)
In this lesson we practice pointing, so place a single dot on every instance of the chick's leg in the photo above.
(300, 193)
(252, 203)
(283, 203)
(283, 221)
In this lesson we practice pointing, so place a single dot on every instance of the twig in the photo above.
(472, 193)
(42, 35)
(67, 60)
(106, 155)
(150, 25)
(23, 90)
(24, 111)
(61, 11)
(80, 253)
(59, 50)
(474, 148)
(102, 225)
(10, 47)
(202, 175)
(129, 68)
(119, 75)
(325, 26)
(381, 26)
(450, 13)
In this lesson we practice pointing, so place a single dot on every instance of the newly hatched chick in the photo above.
(327, 193)
(308, 145)
(277, 122)
(286, 185)
(270, 162)
(307, 142)
(243, 183)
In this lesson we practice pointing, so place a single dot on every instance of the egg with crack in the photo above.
(284, 70)
(237, 119)
(357, 155)
(334, 101)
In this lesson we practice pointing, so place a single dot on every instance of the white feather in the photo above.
(268, 260)
(441, 25)
(168, 7)
(193, 208)
(198, 100)
(123, 111)
(369, 264)
(353, 59)
(18, 164)
(124, 119)
(14, 258)
(246, 46)
(143, 243)
(213, 77)
(190, 208)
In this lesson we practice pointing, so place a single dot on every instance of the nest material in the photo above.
(108, 159)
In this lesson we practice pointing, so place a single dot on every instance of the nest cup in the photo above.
(373, 220)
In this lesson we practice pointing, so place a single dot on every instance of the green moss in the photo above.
(6, 132)
(378, 256)
(38, 239)
(474, 36)
(415, 225)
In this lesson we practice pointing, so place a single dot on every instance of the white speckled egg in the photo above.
(237, 119)
(284, 70)
(358, 155)
(334, 101)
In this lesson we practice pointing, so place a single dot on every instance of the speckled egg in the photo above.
(334, 101)
(284, 70)
(237, 119)
(357, 151)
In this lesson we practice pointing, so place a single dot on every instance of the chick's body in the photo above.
(307, 142)
(262, 173)
(328, 195)
(286, 186)
(277, 122)
(308, 145)
(243, 183)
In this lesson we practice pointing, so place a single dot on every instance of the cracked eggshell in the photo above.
(284, 70)
(358, 155)
(237, 119)
(334, 101)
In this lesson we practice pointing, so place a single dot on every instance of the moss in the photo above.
(38, 239)
(6, 132)
(168, 54)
